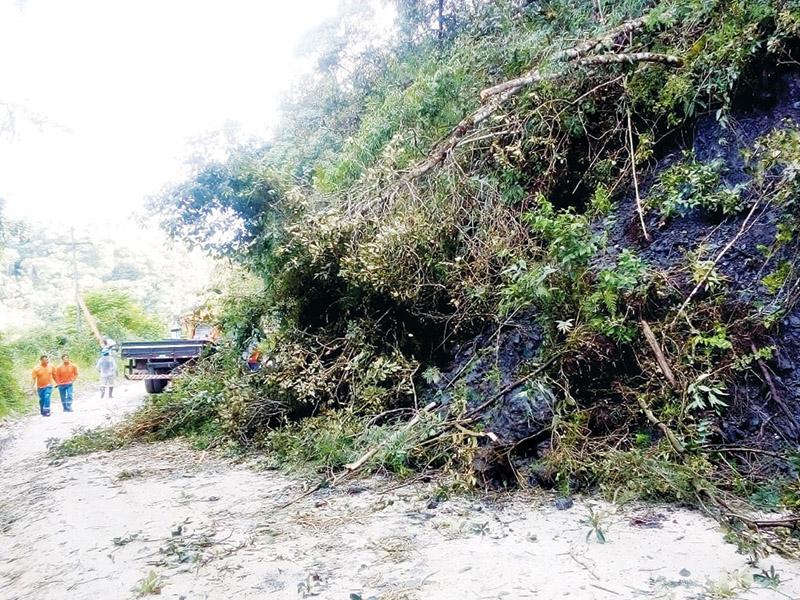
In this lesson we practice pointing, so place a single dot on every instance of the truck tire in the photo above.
(155, 386)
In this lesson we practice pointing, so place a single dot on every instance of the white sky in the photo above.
(124, 84)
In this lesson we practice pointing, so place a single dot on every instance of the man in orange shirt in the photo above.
(42, 376)
(65, 375)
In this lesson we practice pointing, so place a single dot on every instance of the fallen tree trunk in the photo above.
(631, 58)
(512, 86)
(496, 96)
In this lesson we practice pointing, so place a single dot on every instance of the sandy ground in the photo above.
(197, 526)
(25, 438)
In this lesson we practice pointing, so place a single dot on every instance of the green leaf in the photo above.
(601, 537)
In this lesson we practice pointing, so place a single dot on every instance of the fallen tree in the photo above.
(495, 97)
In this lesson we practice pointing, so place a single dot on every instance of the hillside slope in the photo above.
(567, 230)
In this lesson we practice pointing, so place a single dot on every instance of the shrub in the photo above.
(11, 396)
(691, 184)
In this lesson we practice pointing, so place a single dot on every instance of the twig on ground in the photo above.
(584, 566)
(745, 450)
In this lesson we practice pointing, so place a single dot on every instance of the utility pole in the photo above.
(73, 244)
(75, 279)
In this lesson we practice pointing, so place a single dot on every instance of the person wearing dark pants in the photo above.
(42, 376)
(65, 375)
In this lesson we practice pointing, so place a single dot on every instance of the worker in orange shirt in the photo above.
(65, 375)
(42, 376)
(254, 360)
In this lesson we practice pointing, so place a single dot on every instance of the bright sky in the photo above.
(124, 84)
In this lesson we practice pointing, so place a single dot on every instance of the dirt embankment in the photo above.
(191, 525)
(755, 418)
(761, 406)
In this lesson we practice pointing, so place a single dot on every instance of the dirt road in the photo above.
(164, 518)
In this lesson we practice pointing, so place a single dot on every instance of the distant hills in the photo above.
(37, 280)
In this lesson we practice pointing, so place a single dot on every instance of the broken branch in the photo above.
(356, 465)
(659, 354)
(351, 468)
(671, 438)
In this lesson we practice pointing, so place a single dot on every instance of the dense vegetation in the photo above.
(501, 209)
(11, 397)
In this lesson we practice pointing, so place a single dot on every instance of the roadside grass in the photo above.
(16, 405)
(12, 398)
(150, 585)
(101, 439)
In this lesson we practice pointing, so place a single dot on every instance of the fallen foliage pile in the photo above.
(552, 246)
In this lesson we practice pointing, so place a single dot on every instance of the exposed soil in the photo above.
(488, 363)
(744, 266)
(487, 367)
(205, 527)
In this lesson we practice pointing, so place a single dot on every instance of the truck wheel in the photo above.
(155, 386)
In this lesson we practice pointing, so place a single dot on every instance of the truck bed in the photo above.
(155, 362)
(162, 349)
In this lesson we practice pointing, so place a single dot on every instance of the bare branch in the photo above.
(659, 354)
(714, 264)
(639, 208)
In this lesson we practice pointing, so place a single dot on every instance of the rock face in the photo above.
(488, 367)
(709, 141)
(787, 369)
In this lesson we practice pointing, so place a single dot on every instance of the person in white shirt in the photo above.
(107, 368)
